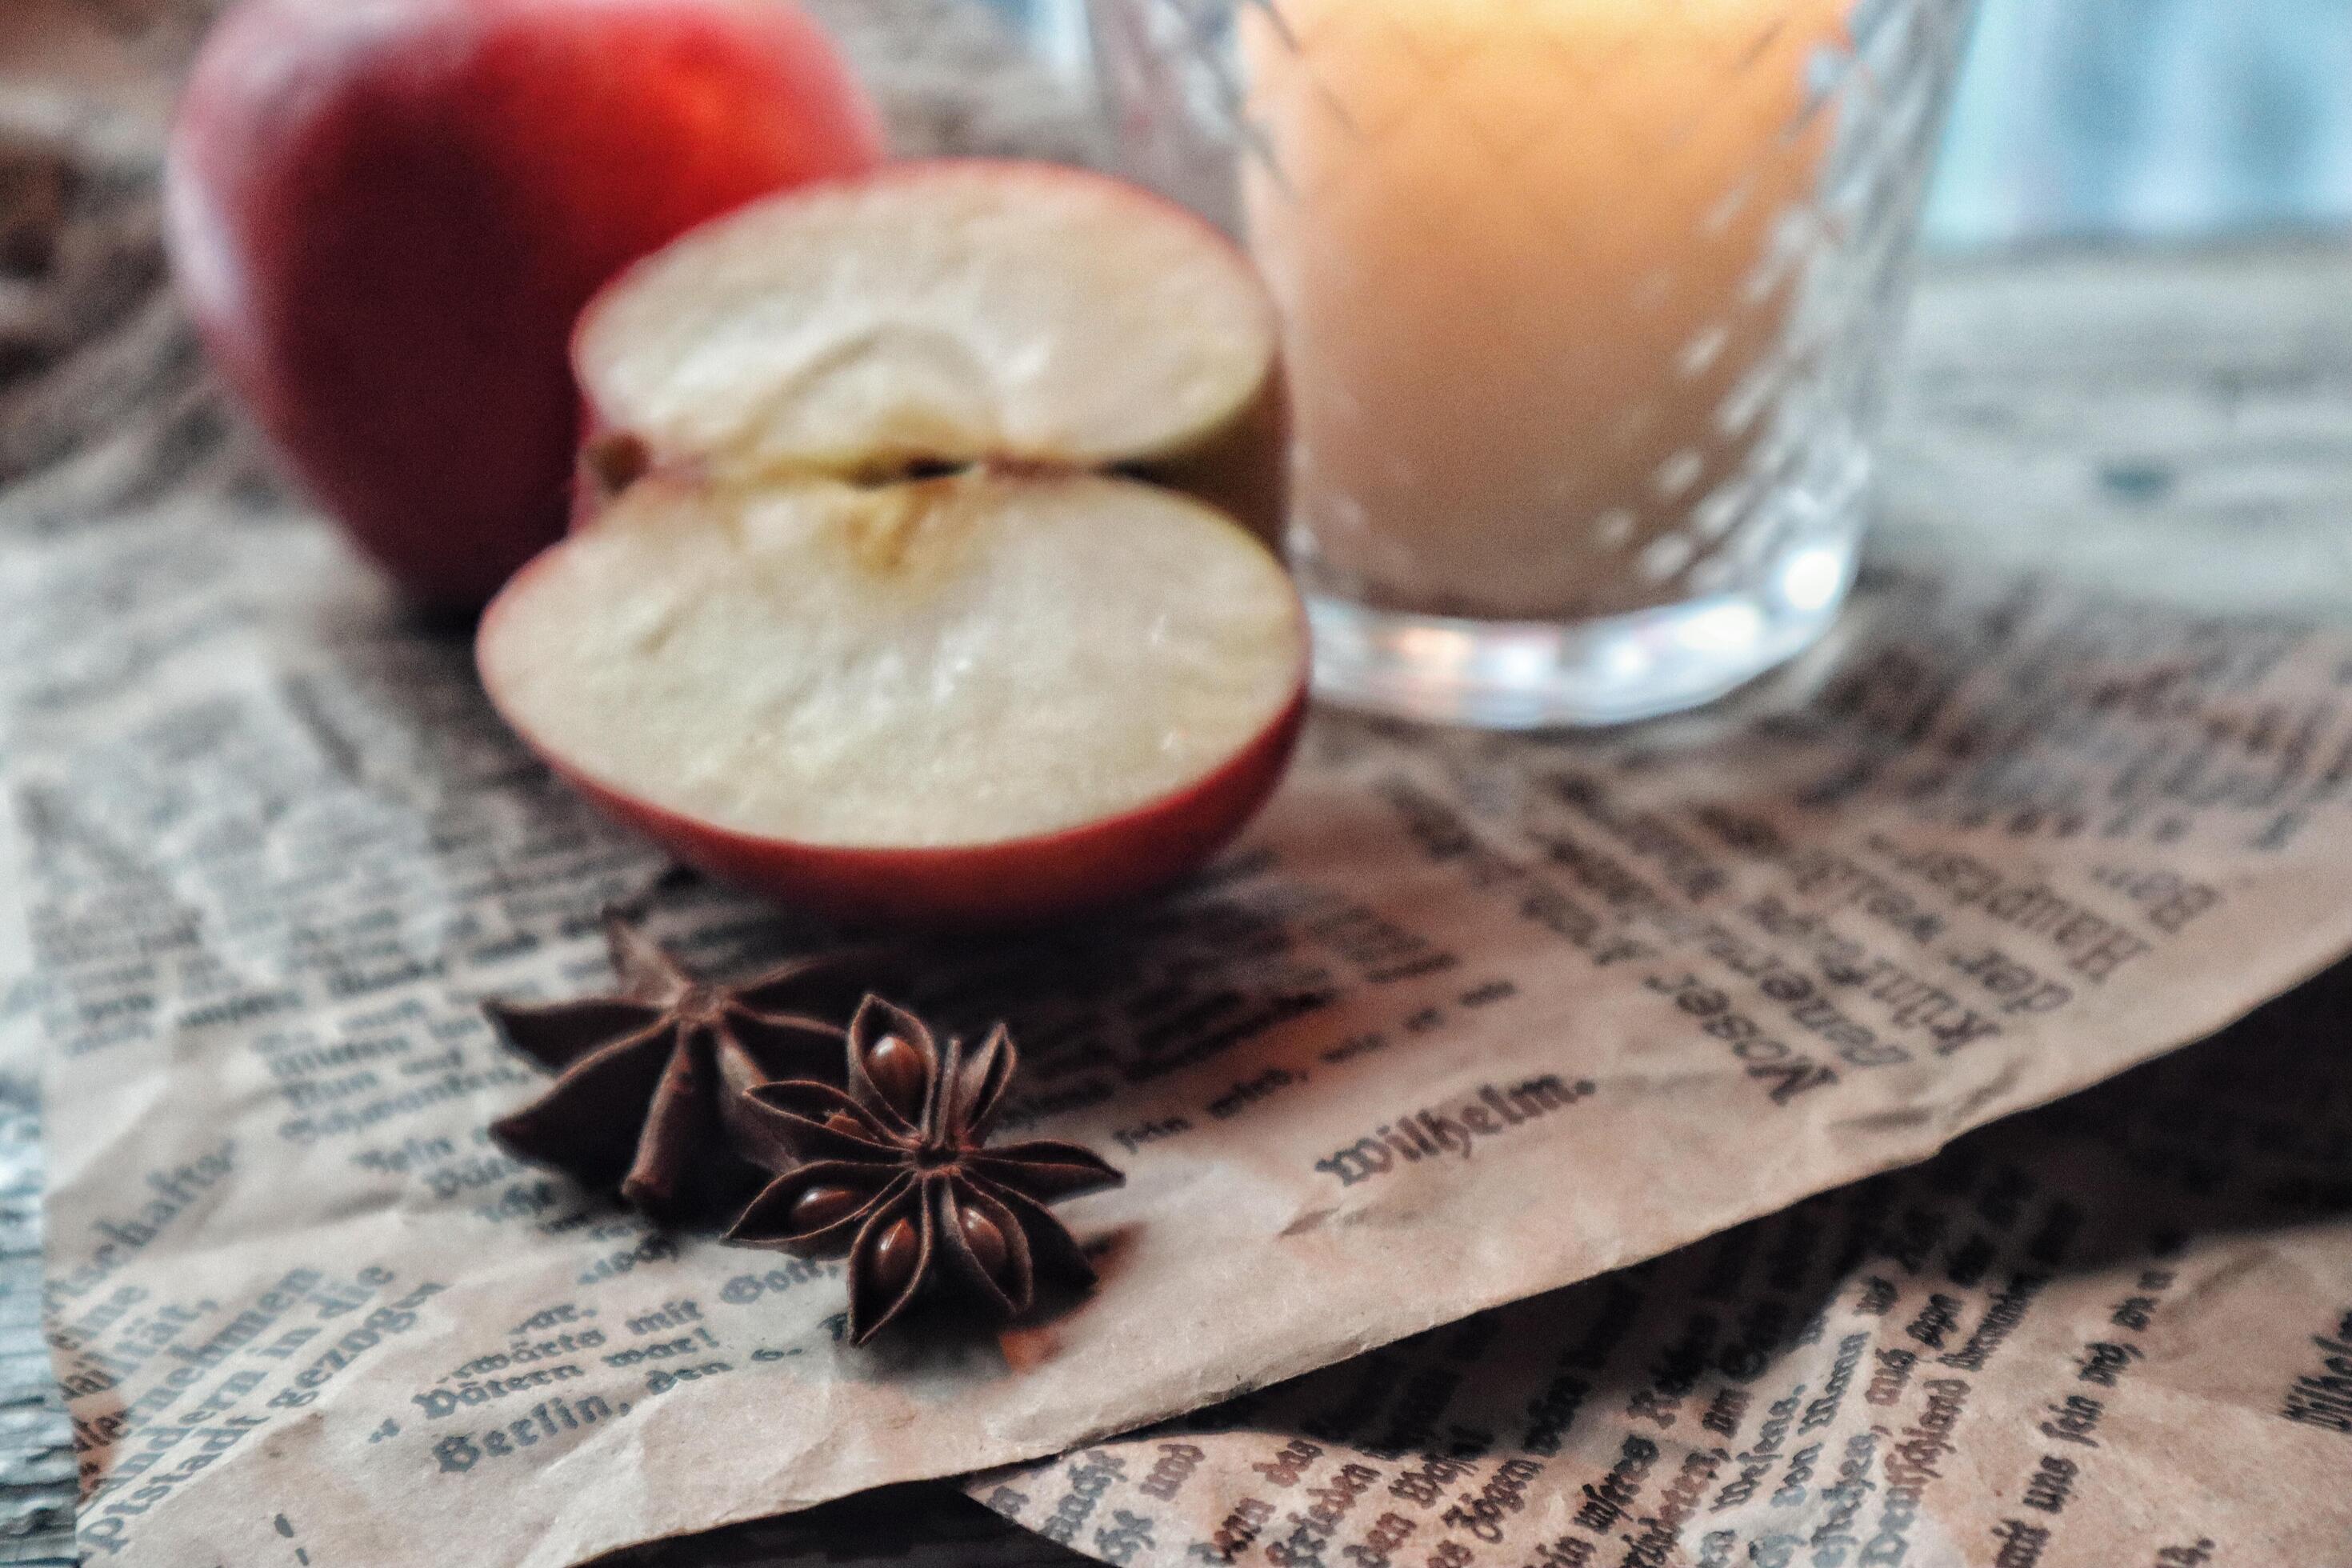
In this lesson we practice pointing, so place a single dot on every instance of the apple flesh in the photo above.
(387, 216)
(979, 698)
(867, 606)
(1025, 316)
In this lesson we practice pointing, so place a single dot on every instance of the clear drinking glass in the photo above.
(1585, 305)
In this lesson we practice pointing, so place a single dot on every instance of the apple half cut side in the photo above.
(975, 699)
(937, 315)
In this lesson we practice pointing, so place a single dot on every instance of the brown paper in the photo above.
(2150, 1396)
(1462, 1020)
(270, 850)
(2116, 1334)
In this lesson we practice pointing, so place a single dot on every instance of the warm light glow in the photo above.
(1812, 578)
(1627, 660)
(1723, 629)
(1526, 251)
(1435, 647)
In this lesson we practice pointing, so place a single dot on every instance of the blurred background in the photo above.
(2162, 120)
(2170, 121)
(2149, 120)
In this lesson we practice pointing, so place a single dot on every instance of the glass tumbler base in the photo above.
(1525, 675)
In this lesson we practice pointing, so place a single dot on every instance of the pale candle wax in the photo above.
(1525, 253)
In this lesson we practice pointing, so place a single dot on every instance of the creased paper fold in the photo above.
(1464, 1020)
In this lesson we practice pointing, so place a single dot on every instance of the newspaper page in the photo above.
(2116, 1333)
(1462, 1020)
(2111, 1334)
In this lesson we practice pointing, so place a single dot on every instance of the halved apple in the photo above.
(851, 615)
(941, 315)
(851, 612)
(969, 698)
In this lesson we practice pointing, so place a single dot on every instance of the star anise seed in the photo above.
(987, 1242)
(893, 1171)
(648, 1079)
(897, 1071)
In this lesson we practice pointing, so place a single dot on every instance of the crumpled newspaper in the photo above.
(1464, 1020)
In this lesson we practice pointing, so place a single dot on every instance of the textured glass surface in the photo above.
(1584, 305)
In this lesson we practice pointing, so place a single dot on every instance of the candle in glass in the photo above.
(1533, 264)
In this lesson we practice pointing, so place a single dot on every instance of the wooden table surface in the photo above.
(2173, 427)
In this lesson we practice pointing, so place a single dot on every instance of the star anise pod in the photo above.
(893, 1172)
(648, 1079)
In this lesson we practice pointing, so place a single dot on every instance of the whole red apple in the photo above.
(386, 214)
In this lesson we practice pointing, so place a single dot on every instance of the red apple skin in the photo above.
(385, 215)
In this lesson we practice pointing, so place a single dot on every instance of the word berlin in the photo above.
(1426, 1134)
